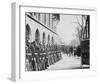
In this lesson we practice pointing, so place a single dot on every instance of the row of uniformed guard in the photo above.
(40, 57)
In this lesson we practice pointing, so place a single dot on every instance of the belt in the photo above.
(28, 53)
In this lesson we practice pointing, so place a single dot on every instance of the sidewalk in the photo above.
(67, 62)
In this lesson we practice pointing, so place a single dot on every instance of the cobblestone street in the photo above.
(67, 62)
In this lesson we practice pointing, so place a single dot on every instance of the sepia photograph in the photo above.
(55, 41)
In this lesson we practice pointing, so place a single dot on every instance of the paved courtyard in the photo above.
(67, 62)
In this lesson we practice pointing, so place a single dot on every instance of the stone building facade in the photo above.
(42, 27)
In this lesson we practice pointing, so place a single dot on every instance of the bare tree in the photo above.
(81, 26)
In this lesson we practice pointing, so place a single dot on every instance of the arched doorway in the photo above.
(48, 39)
(28, 32)
(43, 39)
(37, 36)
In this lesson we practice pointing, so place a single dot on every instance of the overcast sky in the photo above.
(66, 28)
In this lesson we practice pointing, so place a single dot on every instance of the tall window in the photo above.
(38, 16)
(49, 20)
(44, 18)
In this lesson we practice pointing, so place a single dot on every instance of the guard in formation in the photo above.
(40, 57)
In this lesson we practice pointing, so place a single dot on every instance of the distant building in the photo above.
(41, 27)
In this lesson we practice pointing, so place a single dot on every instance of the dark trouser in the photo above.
(34, 66)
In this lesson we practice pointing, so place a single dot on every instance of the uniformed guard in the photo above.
(46, 53)
(37, 54)
(33, 56)
(28, 55)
